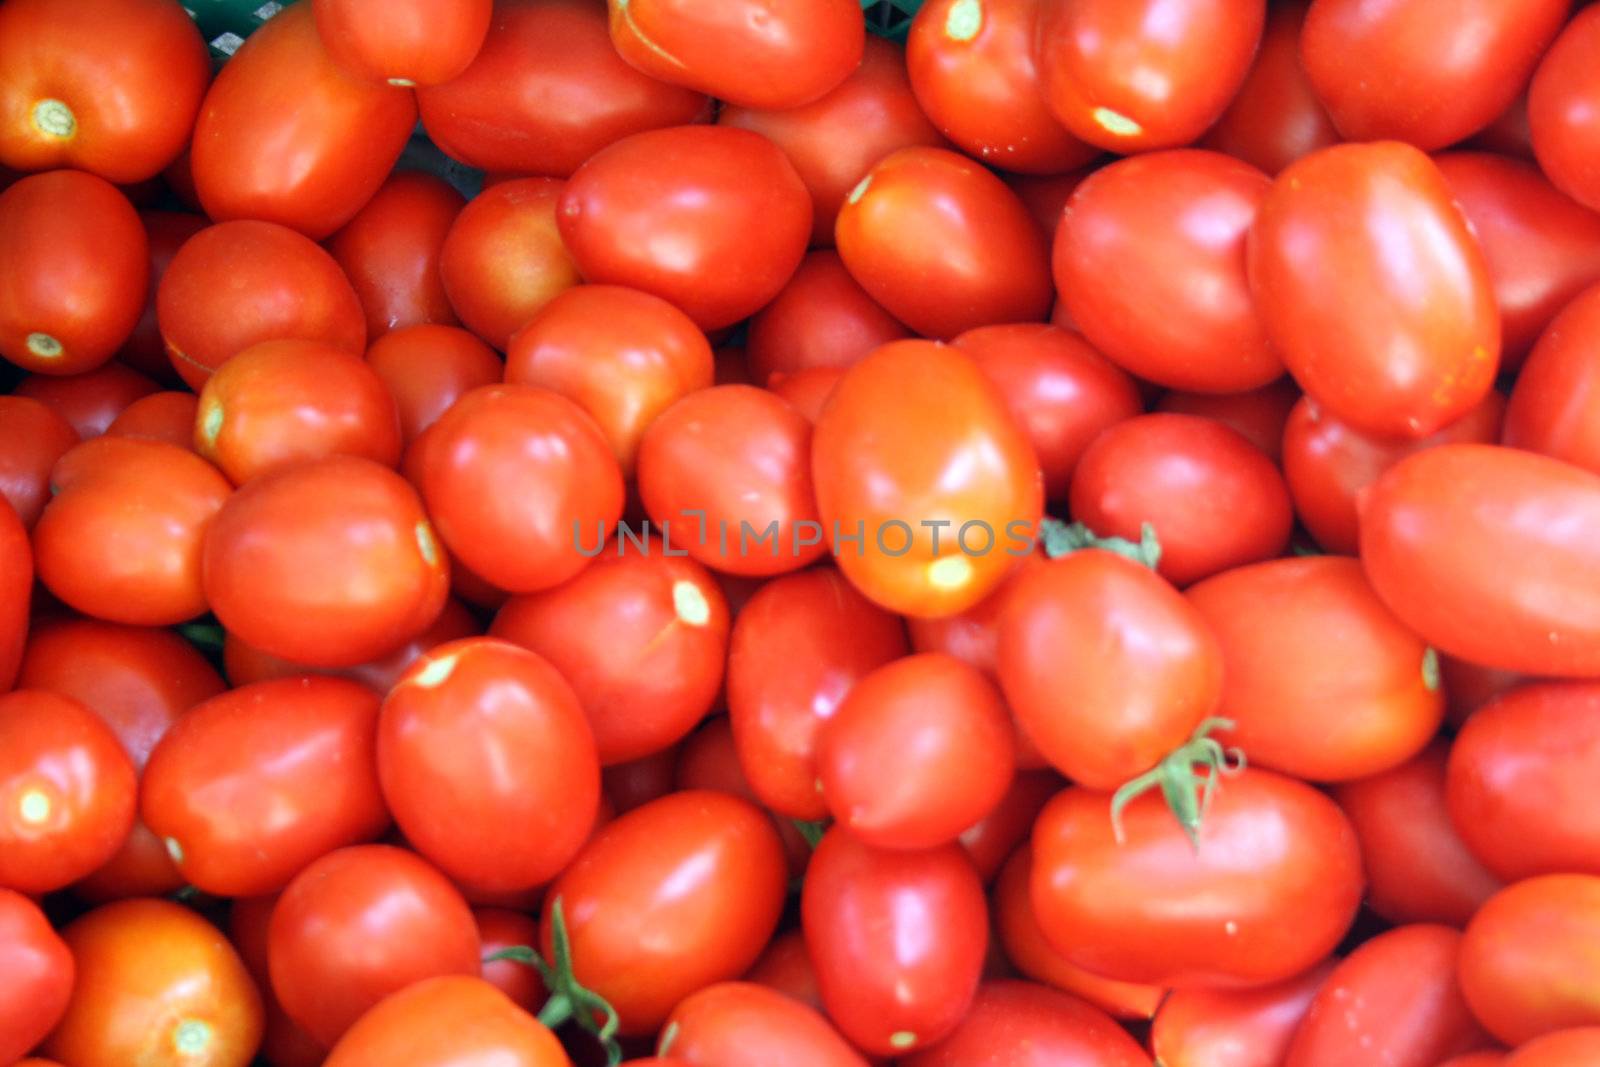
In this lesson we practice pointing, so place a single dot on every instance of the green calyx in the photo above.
(569, 1000)
(1188, 792)
(811, 831)
(1062, 539)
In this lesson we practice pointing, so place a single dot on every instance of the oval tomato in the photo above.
(786, 967)
(1030, 1026)
(992, 840)
(91, 401)
(1259, 415)
(1239, 1027)
(719, 1025)
(33, 435)
(39, 975)
(807, 391)
(391, 250)
(822, 318)
(499, 929)
(414, 42)
(1555, 404)
(166, 232)
(440, 1021)
(165, 416)
(427, 368)
(16, 593)
(1562, 113)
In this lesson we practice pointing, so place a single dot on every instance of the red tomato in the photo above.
(39, 975)
(1561, 110)
(33, 435)
(719, 1025)
(1026, 1025)
(822, 318)
(807, 391)
(834, 140)
(625, 786)
(361, 923)
(77, 264)
(1238, 1027)
(622, 355)
(442, 1022)
(16, 593)
(107, 86)
(157, 985)
(1486, 1059)
(390, 250)
(165, 416)
(1269, 891)
(709, 759)
(1046, 196)
(786, 967)
(426, 368)
(1374, 290)
(413, 42)
(1527, 964)
(1275, 118)
(670, 898)
(1469, 686)
(1131, 76)
(993, 839)
(1149, 261)
(766, 54)
(1487, 554)
(499, 929)
(91, 401)
(1259, 415)
(1556, 402)
(727, 213)
(1578, 1045)
(312, 166)
(166, 231)
(280, 287)
(943, 244)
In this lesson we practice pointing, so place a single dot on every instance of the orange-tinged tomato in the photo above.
(390, 252)
(1578, 1045)
(448, 1022)
(1275, 118)
(33, 435)
(427, 368)
(403, 42)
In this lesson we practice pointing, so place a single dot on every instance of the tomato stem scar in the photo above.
(54, 119)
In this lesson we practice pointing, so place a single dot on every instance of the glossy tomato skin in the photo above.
(769, 55)
(500, 929)
(1032, 1026)
(1269, 893)
(33, 435)
(1459, 542)
(1554, 405)
(786, 967)
(428, 367)
(390, 251)
(156, 984)
(726, 202)
(441, 1022)
(1239, 1027)
(310, 167)
(416, 42)
(76, 262)
(1275, 118)
(1143, 75)
(1561, 113)
(822, 318)
(90, 401)
(943, 244)
(166, 232)
(671, 897)
(719, 1025)
(39, 975)
(1258, 414)
(1149, 263)
(1376, 227)
(807, 391)
(916, 435)
(165, 416)
(993, 839)
(16, 593)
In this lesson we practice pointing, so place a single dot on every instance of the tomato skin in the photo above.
(727, 203)
(1526, 967)
(1555, 1050)
(1561, 116)
(158, 985)
(444, 1022)
(90, 401)
(166, 231)
(39, 975)
(993, 839)
(361, 923)
(165, 416)
(767, 55)
(77, 264)
(428, 367)
(1275, 118)
(807, 391)
(1027, 1025)
(1556, 399)
(16, 593)
(1144, 75)
(786, 967)
(310, 167)
(1270, 892)
(821, 319)
(1505, 586)
(416, 42)
(281, 286)
(669, 898)
(943, 244)
(1239, 1027)
(33, 435)
(720, 1024)
(390, 251)
(501, 929)
(709, 759)
(1258, 415)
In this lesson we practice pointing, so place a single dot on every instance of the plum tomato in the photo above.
(1027, 1025)
(1239, 1027)
(33, 435)
(427, 368)
(438, 1021)
(39, 975)
(821, 319)
(390, 252)
(403, 42)
(719, 1025)
(1555, 404)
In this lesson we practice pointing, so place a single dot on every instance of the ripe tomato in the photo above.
(1269, 892)
(992, 840)
(1027, 1025)
(359, 924)
(166, 231)
(1487, 554)
(107, 86)
(414, 42)
(771, 54)
(786, 967)
(499, 929)
(670, 898)
(32, 437)
(165, 416)
(1494, 1058)
(622, 355)
(1561, 110)
(281, 286)
(1554, 406)
(625, 786)
(1418, 867)
(943, 244)
(91, 401)
(310, 167)
(390, 251)
(16, 593)
(1375, 227)
(1132, 76)
(283, 1044)
(1259, 415)
(1577, 1045)
(719, 1025)
(39, 975)
(441, 1022)
(1275, 118)
(834, 140)
(426, 368)
(158, 985)
(727, 213)
(1527, 965)
(709, 759)
(822, 318)
(1238, 1027)
(807, 391)
(1469, 686)
(74, 265)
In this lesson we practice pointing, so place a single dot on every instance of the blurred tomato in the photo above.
(391, 252)
(90, 401)
(498, 930)
(166, 231)
(1031, 1026)
(1259, 415)
(16, 593)
(1563, 120)
(993, 839)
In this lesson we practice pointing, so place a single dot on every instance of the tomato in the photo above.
(281, 286)
(1275, 118)
(771, 54)
(1418, 866)
(625, 786)
(992, 840)
(157, 985)
(310, 167)
(943, 244)
(121, 538)
(1269, 891)
(32, 437)
(1542, 246)
(361, 923)
(1558, 1049)
(428, 367)
(834, 140)
(720, 1024)
(727, 213)
(916, 434)
(390, 251)
(517, 478)
(1478, 1059)
(709, 759)
(1485, 552)
(39, 975)
(622, 355)
(503, 259)
(165, 231)
(786, 967)
(441, 1022)
(807, 391)
(1105, 665)
(75, 262)
(1027, 1025)
(1554, 404)
(1469, 686)
(1328, 463)
(107, 86)
(283, 1044)
(91, 401)
(1132, 76)
(670, 898)
(1259, 415)
(821, 319)
(16, 592)
(1527, 964)
(416, 42)
(1375, 227)
(1239, 1027)
(499, 929)
(1561, 110)
(1060, 390)
(165, 416)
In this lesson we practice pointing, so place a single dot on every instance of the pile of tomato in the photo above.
(1068, 540)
